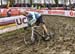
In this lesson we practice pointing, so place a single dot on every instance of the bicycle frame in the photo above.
(33, 31)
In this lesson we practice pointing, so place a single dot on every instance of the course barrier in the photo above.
(16, 22)
(16, 11)
(12, 23)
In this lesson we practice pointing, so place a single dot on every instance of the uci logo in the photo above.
(21, 21)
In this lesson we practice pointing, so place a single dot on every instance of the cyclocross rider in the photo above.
(36, 18)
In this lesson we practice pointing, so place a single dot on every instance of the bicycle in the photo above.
(36, 35)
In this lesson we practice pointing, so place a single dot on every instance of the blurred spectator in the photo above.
(0, 3)
(22, 3)
(42, 3)
(60, 3)
(53, 3)
(72, 6)
(3, 3)
(56, 2)
(27, 3)
(66, 4)
(35, 3)
(16, 3)
(47, 4)
(8, 4)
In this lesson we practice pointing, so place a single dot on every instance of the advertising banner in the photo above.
(70, 13)
(12, 23)
(56, 12)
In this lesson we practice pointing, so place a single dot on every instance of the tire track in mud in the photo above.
(62, 43)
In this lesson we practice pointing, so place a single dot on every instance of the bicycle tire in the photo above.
(37, 36)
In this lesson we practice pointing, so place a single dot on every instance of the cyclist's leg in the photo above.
(40, 21)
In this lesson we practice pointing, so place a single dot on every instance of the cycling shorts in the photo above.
(39, 20)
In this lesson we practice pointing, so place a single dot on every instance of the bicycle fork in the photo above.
(33, 31)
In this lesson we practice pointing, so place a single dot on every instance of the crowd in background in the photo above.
(66, 4)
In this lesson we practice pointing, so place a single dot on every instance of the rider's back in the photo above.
(36, 14)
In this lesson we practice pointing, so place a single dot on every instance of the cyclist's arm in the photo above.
(33, 19)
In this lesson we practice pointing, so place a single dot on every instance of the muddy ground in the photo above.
(63, 41)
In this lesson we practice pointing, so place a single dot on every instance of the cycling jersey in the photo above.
(33, 16)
